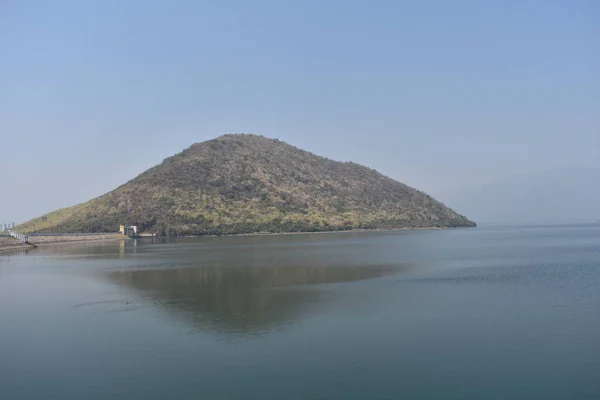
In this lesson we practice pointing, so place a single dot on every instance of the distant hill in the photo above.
(246, 183)
(556, 196)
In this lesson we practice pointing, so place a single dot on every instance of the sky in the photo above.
(441, 95)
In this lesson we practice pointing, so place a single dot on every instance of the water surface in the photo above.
(492, 313)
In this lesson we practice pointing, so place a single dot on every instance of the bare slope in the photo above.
(248, 183)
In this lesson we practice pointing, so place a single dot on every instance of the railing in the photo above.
(19, 236)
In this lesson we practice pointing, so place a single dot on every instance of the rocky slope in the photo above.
(247, 183)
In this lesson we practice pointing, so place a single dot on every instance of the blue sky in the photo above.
(438, 94)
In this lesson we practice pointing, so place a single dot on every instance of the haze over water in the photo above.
(488, 313)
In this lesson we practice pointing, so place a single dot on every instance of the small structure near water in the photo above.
(130, 231)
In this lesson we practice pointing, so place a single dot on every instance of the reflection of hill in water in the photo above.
(243, 300)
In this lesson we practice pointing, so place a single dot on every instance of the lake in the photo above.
(485, 313)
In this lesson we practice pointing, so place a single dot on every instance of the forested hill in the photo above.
(246, 183)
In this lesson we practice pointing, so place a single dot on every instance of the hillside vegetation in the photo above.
(246, 183)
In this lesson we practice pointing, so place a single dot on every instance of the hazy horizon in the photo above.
(445, 97)
(569, 195)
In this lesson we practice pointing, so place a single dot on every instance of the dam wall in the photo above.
(8, 242)
(35, 240)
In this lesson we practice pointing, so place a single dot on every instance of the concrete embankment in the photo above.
(9, 243)
(48, 239)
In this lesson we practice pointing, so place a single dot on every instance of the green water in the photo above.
(486, 313)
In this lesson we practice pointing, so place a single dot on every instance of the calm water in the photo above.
(486, 313)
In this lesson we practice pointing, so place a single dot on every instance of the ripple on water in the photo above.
(120, 305)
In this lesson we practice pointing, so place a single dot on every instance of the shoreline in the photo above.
(22, 246)
(320, 232)
(16, 248)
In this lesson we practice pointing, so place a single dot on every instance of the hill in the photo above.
(246, 183)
